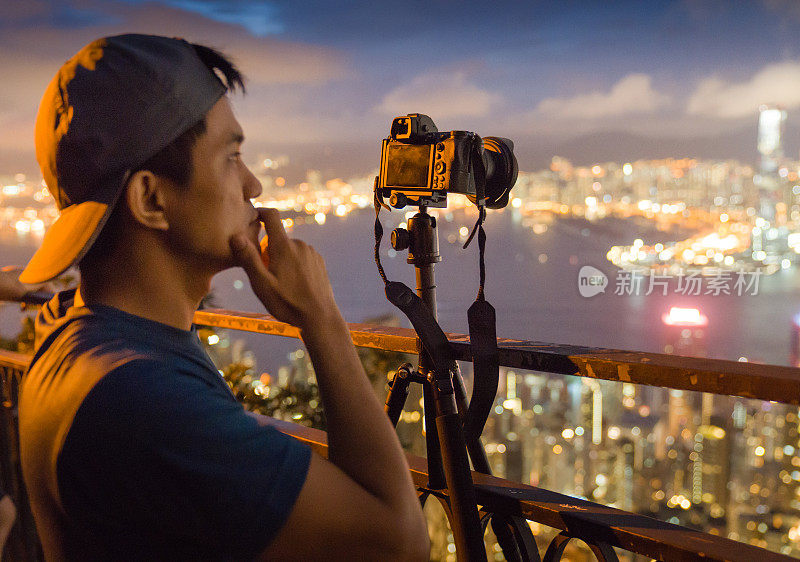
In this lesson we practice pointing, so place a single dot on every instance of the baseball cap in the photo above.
(108, 110)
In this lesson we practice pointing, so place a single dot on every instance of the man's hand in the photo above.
(288, 277)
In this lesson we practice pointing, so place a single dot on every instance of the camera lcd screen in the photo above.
(408, 165)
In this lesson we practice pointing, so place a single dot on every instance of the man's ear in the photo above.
(146, 199)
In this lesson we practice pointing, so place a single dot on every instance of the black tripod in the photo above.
(445, 408)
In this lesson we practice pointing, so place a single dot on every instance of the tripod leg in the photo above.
(398, 393)
(433, 450)
(467, 530)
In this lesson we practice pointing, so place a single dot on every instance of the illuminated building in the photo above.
(711, 469)
(770, 147)
(770, 137)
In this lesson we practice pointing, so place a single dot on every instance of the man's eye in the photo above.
(235, 156)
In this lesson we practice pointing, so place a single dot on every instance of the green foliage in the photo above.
(380, 365)
(23, 341)
(297, 401)
(298, 398)
(295, 396)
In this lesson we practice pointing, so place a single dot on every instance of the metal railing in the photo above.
(599, 526)
(23, 542)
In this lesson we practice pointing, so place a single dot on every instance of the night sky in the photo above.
(325, 78)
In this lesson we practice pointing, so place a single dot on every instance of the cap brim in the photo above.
(66, 241)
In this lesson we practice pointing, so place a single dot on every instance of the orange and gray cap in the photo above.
(108, 110)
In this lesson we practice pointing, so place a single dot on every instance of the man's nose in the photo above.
(251, 186)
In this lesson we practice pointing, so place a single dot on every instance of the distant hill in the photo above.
(625, 147)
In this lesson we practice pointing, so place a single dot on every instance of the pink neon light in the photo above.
(678, 316)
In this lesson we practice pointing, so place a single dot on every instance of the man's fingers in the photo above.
(278, 239)
(264, 283)
(247, 256)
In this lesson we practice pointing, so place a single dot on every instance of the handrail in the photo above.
(716, 376)
(23, 542)
(14, 360)
(580, 518)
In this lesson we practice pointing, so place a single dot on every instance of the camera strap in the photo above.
(482, 318)
(483, 343)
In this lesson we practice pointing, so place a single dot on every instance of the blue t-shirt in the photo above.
(133, 446)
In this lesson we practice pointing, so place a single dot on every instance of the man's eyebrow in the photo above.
(235, 138)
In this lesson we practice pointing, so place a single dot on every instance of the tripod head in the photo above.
(419, 238)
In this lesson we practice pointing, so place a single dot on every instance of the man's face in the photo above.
(216, 205)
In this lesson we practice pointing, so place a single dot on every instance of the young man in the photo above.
(132, 445)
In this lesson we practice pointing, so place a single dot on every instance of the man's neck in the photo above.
(149, 285)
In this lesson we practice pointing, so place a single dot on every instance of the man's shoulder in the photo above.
(74, 355)
(102, 339)
(130, 358)
(77, 332)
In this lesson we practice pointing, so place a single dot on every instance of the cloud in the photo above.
(777, 83)
(34, 44)
(441, 95)
(632, 94)
(259, 18)
(784, 8)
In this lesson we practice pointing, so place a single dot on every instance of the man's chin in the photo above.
(252, 232)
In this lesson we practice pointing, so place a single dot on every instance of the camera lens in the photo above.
(501, 171)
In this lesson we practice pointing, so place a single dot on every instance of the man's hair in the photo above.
(173, 162)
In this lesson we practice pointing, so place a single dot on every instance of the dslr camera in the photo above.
(420, 165)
